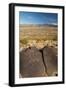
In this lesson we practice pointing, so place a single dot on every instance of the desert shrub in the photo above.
(37, 40)
(24, 41)
(55, 38)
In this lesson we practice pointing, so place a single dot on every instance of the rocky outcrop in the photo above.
(50, 59)
(31, 64)
(38, 63)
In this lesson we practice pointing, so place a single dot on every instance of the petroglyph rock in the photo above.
(31, 63)
(50, 59)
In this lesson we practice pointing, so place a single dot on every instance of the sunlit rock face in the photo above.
(31, 63)
(50, 59)
(38, 63)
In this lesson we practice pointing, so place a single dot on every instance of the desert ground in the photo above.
(37, 35)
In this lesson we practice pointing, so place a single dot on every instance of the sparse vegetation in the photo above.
(24, 41)
(37, 36)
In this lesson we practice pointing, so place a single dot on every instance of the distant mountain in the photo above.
(50, 25)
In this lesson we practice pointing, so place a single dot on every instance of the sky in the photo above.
(38, 18)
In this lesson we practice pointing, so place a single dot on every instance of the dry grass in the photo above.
(38, 36)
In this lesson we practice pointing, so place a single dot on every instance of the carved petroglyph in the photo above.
(38, 63)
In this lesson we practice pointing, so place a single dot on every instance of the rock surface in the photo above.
(38, 63)
(50, 59)
(31, 64)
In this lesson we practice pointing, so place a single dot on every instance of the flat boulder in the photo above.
(31, 63)
(50, 60)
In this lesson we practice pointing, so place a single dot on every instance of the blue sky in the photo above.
(38, 18)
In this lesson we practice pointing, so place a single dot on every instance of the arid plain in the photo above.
(38, 35)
